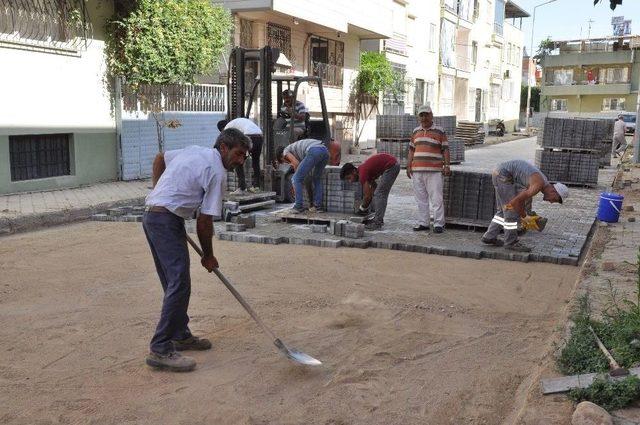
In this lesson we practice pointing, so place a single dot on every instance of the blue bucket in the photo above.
(609, 207)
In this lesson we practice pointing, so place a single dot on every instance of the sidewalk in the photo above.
(28, 211)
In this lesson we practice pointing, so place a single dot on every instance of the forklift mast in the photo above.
(239, 106)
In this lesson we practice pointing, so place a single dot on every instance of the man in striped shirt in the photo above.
(428, 160)
(288, 110)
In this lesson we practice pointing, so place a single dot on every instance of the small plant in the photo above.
(610, 395)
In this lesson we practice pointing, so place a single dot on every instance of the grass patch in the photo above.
(619, 331)
(610, 395)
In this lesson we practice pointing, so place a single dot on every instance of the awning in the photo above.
(512, 10)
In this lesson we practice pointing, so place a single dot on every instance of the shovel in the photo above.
(291, 353)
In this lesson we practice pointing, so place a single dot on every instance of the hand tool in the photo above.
(291, 353)
(615, 369)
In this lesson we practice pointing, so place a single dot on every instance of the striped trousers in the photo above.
(506, 219)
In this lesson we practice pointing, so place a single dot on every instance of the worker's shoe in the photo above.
(238, 192)
(173, 361)
(438, 229)
(317, 210)
(296, 210)
(420, 228)
(372, 225)
(254, 189)
(518, 247)
(494, 242)
(192, 343)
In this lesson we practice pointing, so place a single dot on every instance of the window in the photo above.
(498, 20)
(558, 104)
(430, 94)
(393, 102)
(326, 60)
(476, 10)
(613, 104)
(39, 156)
(518, 57)
(279, 36)
(494, 100)
(432, 37)
(59, 24)
(559, 77)
(614, 75)
(474, 52)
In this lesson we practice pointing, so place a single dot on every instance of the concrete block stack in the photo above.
(347, 229)
(232, 178)
(339, 196)
(121, 214)
(469, 198)
(470, 133)
(393, 135)
(572, 149)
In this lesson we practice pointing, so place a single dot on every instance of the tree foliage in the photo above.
(612, 3)
(167, 41)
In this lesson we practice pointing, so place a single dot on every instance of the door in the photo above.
(478, 105)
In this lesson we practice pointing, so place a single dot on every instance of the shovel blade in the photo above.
(295, 355)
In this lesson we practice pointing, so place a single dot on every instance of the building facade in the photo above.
(56, 125)
(597, 76)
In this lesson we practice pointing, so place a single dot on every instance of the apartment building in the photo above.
(597, 76)
(320, 38)
(56, 126)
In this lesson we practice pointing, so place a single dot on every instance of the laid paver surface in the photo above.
(561, 242)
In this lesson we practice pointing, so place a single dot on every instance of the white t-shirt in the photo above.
(245, 125)
(619, 128)
(194, 177)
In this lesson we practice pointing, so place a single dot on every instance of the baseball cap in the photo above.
(424, 109)
(562, 190)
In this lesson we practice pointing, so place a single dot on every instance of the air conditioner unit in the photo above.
(507, 73)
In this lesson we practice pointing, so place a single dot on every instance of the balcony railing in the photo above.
(331, 74)
(498, 28)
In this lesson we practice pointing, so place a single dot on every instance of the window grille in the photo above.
(39, 156)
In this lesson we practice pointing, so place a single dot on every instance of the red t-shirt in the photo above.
(374, 166)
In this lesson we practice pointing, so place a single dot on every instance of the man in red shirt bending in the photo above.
(383, 166)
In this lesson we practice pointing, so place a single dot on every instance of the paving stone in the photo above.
(608, 266)
(131, 218)
(248, 220)
(116, 212)
(628, 208)
(318, 228)
(235, 227)
(100, 217)
(631, 219)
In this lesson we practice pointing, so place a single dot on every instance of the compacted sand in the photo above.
(405, 338)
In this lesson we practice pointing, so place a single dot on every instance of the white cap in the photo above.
(562, 190)
(424, 109)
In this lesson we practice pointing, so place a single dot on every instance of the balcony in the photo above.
(595, 58)
(586, 89)
(496, 74)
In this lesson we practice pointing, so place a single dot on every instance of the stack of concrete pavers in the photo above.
(232, 178)
(572, 149)
(128, 214)
(393, 135)
(469, 198)
(340, 196)
(347, 229)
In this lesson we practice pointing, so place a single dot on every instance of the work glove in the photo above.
(534, 222)
(362, 211)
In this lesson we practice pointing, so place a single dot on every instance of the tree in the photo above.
(612, 3)
(535, 98)
(544, 48)
(375, 76)
(159, 42)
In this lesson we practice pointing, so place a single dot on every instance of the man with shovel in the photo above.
(511, 204)
(185, 180)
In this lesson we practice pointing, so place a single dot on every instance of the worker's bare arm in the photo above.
(292, 160)
(536, 183)
(204, 228)
(158, 168)
(368, 190)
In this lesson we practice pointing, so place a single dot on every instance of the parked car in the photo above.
(629, 122)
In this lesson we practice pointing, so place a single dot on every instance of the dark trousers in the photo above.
(256, 151)
(168, 242)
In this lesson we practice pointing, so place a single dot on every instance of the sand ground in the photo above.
(405, 338)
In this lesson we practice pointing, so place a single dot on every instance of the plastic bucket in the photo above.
(609, 207)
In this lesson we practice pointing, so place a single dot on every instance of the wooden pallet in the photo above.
(473, 225)
(310, 218)
(248, 197)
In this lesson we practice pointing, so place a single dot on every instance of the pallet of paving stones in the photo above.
(456, 150)
(396, 147)
(122, 214)
(469, 199)
(569, 166)
(402, 126)
(339, 196)
(574, 133)
(471, 133)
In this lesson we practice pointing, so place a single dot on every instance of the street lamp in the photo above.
(533, 23)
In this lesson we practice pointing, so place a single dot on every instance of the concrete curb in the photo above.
(26, 223)
(496, 254)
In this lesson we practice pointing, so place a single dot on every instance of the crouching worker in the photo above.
(383, 166)
(185, 180)
(308, 157)
(511, 204)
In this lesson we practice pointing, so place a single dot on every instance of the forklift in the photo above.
(243, 93)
